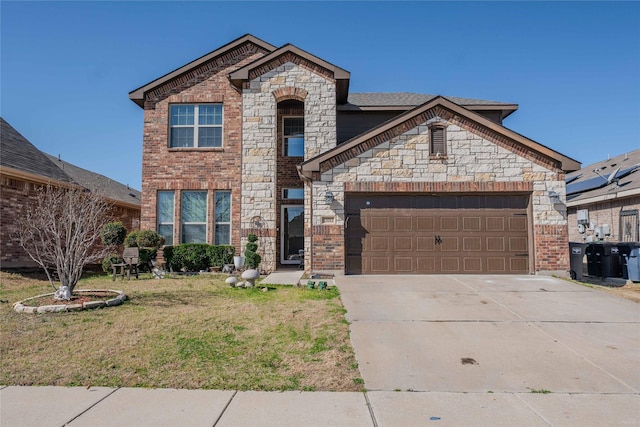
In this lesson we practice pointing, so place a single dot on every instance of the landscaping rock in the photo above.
(250, 276)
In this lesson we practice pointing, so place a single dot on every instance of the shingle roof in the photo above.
(586, 186)
(96, 182)
(371, 99)
(20, 154)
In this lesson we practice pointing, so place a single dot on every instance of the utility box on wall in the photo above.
(583, 216)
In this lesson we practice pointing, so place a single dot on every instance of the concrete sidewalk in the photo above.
(111, 407)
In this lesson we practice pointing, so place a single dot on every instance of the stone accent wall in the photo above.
(472, 160)
(260, 141)
(606, 212)
(209, 169)
(17, 194)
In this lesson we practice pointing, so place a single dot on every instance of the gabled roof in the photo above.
(609, 179)
(137, 95)
(21, 158)
(407, 121)
(340, 75)
(21, 155)
(371, 101)
(95, 182)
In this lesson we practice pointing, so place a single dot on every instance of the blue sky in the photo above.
(573, 67)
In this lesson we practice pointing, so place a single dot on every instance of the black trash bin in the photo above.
(606, 257)
(593, 268)
(611, 264)
(625, 250)
(577, 251)
(633, 264)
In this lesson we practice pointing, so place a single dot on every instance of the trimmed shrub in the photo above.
(197, 256)
(108, 260)
(131, 241)
(251, 258)
(149, 239)
(113, 233)
(219, 255)
(145, 257)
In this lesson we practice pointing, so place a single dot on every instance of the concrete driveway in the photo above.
(553, 349)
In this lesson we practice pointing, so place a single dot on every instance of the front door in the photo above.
(292, 234)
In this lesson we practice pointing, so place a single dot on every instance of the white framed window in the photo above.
(165, 206)
(194, 217)
(195, 125)
(293, 193)
(293, 136)
(222, 218)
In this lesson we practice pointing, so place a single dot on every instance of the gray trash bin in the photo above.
(633, 264)
(577, 252)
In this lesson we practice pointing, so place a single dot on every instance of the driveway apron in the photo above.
(492, 334)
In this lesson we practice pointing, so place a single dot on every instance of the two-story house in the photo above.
(253, 138)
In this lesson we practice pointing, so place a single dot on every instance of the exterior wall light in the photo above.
(554, 197)
(328, 197)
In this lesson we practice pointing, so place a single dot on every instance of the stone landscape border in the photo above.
(119, 298)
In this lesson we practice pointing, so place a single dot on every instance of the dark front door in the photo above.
(292, 234)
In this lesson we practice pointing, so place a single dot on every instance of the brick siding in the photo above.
(17, 194)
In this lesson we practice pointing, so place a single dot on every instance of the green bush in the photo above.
(171, 260)
(219, 255)
(144, 239)
(145, 257)
(197, 256)
(149, 239)
(108, 260)
(113, 233)
(251, 258)
(131, 241)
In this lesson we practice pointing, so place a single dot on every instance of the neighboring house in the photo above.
(603, 200)
(252, 138)
(23, 168)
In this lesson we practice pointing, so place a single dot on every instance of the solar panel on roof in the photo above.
(587, 185)
(598, 181)
(573, 178)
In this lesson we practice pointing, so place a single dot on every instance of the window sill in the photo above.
(183, 149)
(438, 157)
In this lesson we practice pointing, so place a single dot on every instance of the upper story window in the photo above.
(195, 125)
(293, 193)
(293, 134)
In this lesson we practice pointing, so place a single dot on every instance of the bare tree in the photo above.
(61, 231)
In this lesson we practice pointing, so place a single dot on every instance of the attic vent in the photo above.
(437, 141)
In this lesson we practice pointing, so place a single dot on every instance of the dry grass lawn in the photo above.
(183, 332)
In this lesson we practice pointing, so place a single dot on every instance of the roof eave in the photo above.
(137, 95)
(604, 197)
(341, 75)
(566, 163)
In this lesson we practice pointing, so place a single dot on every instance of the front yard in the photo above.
(180, 332)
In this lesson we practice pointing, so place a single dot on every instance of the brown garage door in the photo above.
(452, 234)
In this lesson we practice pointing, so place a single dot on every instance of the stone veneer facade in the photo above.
(259, 151)
(473, 163)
